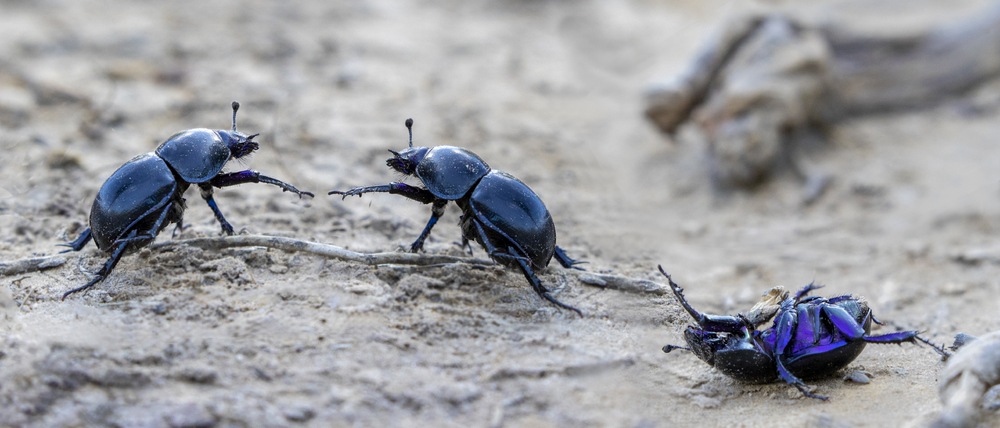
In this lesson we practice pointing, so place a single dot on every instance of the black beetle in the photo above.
(145, 195)
(499, 211)
(811, 337)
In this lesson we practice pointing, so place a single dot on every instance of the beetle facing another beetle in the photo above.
(811, 337)
(499, 212)
(145, 194)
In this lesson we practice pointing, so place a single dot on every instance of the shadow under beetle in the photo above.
(811, 337)
(145, 195)
(498, 211)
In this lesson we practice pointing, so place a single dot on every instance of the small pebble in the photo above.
(299, 414)
(857, 377)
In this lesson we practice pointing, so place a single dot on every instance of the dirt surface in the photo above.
(549, 91)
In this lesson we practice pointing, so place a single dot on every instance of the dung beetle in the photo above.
(811, 337)
(498, 211)
(145, 194)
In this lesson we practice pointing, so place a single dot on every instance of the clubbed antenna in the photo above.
(409, 127)
(236, 106)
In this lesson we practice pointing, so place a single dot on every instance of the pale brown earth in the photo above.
(550, 91)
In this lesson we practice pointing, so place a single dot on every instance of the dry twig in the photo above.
(325, 250)
(30, 264)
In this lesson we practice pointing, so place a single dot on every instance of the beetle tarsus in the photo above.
(937, 348)
(566, 261)
(436, 212)
(116, 255)
(78, 243)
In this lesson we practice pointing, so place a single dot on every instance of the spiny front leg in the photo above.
(437, 210)
(405, 190)
(244, 177)
(206, 194)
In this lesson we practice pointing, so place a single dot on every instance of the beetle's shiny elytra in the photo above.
(499, 212)
(811, 337)
(145, 195)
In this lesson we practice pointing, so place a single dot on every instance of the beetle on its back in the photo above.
(498, 211)
(145, 195)
(811, 337)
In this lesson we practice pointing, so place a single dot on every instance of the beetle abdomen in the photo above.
(449, 172)
(131, 198)
(512, 208)
(196, 154)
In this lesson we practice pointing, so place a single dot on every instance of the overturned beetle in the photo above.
(498, 211)
(145, 195)
(811, 337)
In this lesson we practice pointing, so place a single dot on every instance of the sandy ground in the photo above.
(549, 91)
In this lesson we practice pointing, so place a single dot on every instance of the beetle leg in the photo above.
(206, 194)
(405, 190)
(116, 255)
(805, 290)
(565, 261)
(937, 348)
(119, 247)
(437, 210)
(792, 380)
(524, 264)
(78, 243)
(180, 221)
(537, 285)
(710, 323)
(465, 245)
(244, 177)
(844, 322)
(784, 330)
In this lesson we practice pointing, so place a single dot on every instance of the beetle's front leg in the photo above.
(423, 196)
(244, 177)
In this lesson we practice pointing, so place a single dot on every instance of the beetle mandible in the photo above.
(811, 337)
(499, 212)
(145, 194)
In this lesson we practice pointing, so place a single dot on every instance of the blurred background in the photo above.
(553, 92)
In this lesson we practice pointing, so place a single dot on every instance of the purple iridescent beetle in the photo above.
(811, 337)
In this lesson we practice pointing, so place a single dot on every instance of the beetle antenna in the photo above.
(409, 127)
(236, 106)
(669, 348)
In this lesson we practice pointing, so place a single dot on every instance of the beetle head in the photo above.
(405, 162)
(704, 344)
(240, 144)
